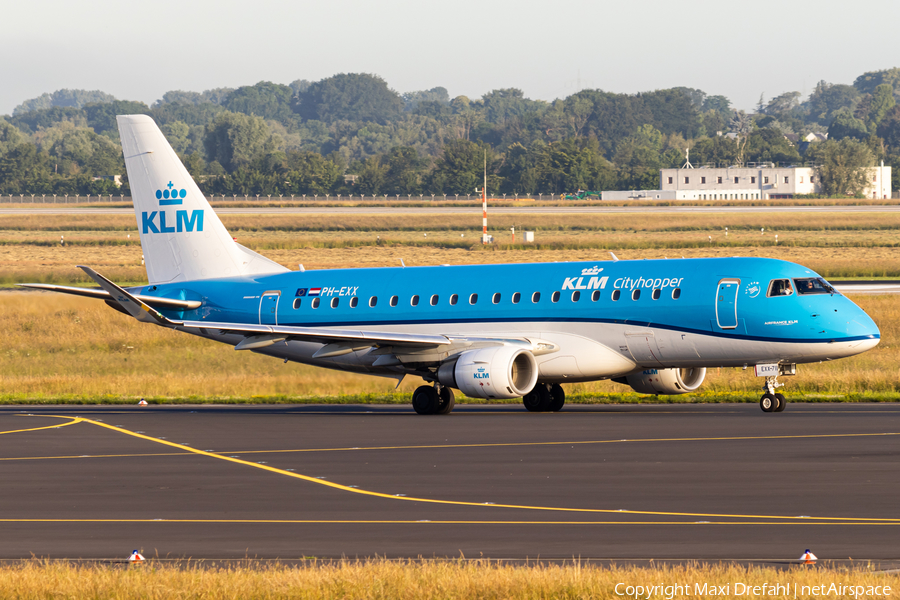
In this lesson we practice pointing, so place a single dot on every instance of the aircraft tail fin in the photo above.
(181, 236)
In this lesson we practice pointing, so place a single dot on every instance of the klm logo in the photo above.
(482, 373)
(169, 196)
(159, 221)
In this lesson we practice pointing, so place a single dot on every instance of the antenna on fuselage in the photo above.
(615, 258)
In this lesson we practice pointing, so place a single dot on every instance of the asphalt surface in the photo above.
(608, 482)
(53, 209)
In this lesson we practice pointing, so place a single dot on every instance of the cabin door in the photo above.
(726, 303)
(268, 308)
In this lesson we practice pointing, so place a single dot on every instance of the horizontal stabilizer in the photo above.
(164, 303)
(134, 307)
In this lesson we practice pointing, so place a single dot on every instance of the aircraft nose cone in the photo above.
(863, 327)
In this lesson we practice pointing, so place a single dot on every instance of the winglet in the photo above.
(137, 309)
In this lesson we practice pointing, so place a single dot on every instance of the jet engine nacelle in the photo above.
(494, 372)
(666, 381)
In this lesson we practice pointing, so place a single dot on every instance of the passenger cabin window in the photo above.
(813, 285)
(315, 303)
(335, 302)
(595, 295)
(616, 294)
(297, 303)
(354, 301)
(737, 179)
(536, 297)
(414, 301)
(373, 301)
(780, 287)
(636, 294)
(496, 298)
(454, 299)
(516, 297)
(434, 300)
(656, 294)
(554, 297)
(473, 298)
(394, 300)
(676, 293)
(576, 296)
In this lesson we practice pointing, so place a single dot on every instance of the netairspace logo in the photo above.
(160, 221)
(740, 589)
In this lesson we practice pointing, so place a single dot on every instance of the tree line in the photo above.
(352, 134)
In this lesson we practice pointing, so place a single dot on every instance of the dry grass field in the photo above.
(834, 244)
(401, 580)
(64, 348)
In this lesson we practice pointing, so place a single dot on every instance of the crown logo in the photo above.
(170, 196)
(592, 271)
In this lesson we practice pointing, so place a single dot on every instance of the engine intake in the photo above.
(495, 372)
(666, 381)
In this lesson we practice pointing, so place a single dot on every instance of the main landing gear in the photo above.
(770, 401)
(545, 397)
(437, 400)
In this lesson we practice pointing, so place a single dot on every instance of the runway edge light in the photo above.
(136, 557)
(142, 402)
(808, 558)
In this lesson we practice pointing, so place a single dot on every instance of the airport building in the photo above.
(754, 181)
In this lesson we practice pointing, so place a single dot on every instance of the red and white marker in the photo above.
(808, 558)
(142, 402)
(136, 557)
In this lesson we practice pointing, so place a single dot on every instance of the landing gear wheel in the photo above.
(768, 403)
(447, 401)
(538, 399)
(557, 398)
(425, 400)
(782, 402)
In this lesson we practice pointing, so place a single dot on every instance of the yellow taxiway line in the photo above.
(756, 519)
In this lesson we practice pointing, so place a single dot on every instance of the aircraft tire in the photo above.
(538, 399)
(447, 401)
(768, 403)
(557, 398)
(425, 400)
(782, 402)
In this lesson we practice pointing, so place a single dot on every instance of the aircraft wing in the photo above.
(258, 336)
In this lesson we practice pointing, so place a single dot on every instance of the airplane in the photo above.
(496, 331)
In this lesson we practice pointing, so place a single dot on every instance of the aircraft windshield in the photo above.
(780, 287)
(814, 285)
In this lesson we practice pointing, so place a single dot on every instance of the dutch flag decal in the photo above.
(315, 291)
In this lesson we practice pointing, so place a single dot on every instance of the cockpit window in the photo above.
(814, 285)
(780, 287)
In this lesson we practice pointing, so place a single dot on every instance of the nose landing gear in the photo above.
(772, 401)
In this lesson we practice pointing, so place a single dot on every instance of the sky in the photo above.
(140, 50)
